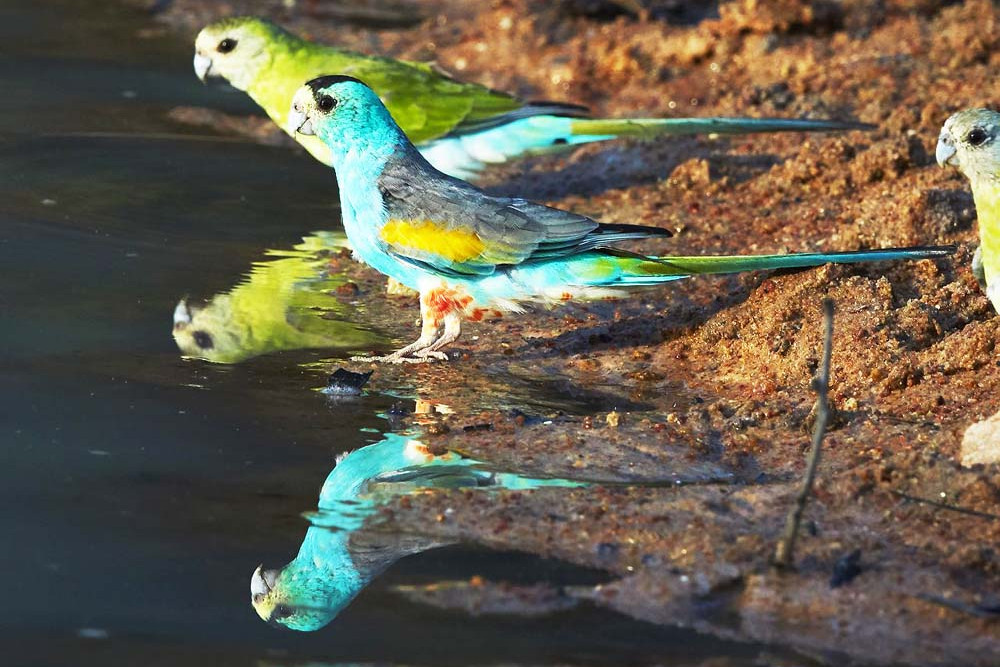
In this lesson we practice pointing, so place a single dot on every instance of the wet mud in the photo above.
(701, 391)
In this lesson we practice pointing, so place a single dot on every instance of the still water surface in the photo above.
(140, 489)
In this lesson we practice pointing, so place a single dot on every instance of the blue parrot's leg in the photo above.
(452, 330)
(441, 323)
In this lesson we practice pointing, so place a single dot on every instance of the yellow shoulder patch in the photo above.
(427, 236)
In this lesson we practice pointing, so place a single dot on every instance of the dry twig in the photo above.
(783, 553)
(946, 506)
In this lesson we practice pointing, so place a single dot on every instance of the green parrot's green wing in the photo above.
(426, 103)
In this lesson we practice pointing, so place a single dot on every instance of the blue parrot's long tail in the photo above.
(467, 151)
(651, 271)
(603, 273)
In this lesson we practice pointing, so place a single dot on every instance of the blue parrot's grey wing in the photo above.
(450, 226)
(436, 476)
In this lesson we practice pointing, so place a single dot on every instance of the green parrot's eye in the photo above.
(226, 45)
(203, 340)
(977, 136)
(326, 103)
(282, 611)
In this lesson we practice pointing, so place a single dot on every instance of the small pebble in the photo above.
(846, 569)
(346, 383)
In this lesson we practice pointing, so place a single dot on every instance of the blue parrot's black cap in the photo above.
(321, 82)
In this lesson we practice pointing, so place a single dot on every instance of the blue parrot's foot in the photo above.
(434, 335)
(427, 355)
(427, 348)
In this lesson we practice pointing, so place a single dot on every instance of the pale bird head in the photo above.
(210, 331)
(235, 49)
(285, 598)
(335, 105)
(969, 141)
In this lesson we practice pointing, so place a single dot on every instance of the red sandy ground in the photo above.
(712, 377)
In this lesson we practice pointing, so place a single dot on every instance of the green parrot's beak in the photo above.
(202, 66)
(945, 151)
(182, 314)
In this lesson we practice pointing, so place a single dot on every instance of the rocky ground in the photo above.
(709, 381)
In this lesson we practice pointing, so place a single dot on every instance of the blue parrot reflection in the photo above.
(337, 558)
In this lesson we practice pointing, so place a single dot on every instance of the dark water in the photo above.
(139, 489)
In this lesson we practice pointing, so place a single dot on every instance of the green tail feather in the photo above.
(657, 269)
(651, 127)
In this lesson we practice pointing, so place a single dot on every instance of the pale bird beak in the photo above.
(299, 122)
(262, 581)
(182, 314)
(202, 66)
(945, 150)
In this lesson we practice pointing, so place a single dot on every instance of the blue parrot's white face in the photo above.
(289, 599)
(341, 110)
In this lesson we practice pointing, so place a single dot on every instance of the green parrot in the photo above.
(338, 558)
(279, 306)
(969, 141)
(459, 127)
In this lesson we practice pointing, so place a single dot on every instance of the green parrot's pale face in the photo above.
(235, 49)
(970, 141)
(211, 331)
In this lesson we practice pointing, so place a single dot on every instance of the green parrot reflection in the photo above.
(282, 304)
(338, 558)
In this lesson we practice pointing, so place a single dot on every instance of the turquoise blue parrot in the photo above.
(337, 558)
(469, 253)
(460, 127)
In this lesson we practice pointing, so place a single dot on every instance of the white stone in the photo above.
(981, 442)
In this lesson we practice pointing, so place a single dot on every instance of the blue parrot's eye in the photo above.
(977, 136)
(203, 340)
(326, 103)
(226, 45)
(282, 611)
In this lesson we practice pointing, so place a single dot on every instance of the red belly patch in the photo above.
(441, 301)
(446, 300)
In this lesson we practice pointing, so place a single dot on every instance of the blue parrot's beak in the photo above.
(945, 150)
(202, 66)
(299, 122)
(262, 581)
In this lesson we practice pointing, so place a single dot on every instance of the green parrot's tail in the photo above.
(538, 128)
(651, 271)
(652, 127)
